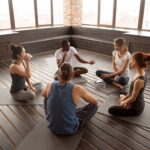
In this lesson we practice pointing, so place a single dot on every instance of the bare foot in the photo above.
(121, 97)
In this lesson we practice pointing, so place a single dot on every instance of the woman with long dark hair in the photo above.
(20, 73)
(133, 103)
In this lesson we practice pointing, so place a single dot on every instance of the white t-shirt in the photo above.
(70, 58)
(120, 61)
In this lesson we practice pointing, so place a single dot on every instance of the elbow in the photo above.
(28, 75)
(94, 102)
(120, 72)
(43, 94)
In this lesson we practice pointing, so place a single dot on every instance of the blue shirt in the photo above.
(61, 110)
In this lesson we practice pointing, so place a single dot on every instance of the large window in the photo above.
(44, 12)
(130, 14)
(146, 21)
(4, 15)
(89, 13)
(127, 13)
(24, 13)
(30, 13)
(106, 12)
(58, 11)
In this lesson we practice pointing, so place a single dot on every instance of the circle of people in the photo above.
(61, 97)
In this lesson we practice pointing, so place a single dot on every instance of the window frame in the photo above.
(140, 18)
(35, 9)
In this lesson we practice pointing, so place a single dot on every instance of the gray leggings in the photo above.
(26, 95)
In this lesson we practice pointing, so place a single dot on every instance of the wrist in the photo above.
(27, 63)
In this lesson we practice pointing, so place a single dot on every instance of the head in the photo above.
(65, 45)
(120, 44)
(65, 72)
(18, 52)
(140, 59)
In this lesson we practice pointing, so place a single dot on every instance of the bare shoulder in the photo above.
(13, 67)
(78, 87)
(139, 83)
(79, 90)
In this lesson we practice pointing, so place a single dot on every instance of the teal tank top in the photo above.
(61, 110)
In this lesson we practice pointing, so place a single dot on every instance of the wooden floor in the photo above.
(102, 132)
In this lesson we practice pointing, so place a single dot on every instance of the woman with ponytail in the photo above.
(20, 72)
(61, 100)
(120, 74)
(133, 103)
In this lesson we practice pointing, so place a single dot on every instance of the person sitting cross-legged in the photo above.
(70, 55)
(20, 74)
(61, 101)
(133, 103)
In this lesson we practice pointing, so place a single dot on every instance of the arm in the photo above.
(83, 61)
(138, 85)
(27, 66)
(25, 72)
(118, 72)
(30, 84)
(114, 65)
(123, 97)
(87, 96)
(46, 90)
(60, 61)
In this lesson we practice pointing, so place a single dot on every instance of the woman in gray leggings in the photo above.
(20, 73)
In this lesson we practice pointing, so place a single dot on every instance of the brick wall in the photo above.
(72, 12)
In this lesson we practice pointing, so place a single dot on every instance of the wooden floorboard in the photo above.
(102, 132)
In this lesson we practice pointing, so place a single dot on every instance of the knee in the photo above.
(32, 96)
(94, 108)
(111, 110)
(85, 70)
(98, 73)
(122, 80)
(40, 85)
(45, 105)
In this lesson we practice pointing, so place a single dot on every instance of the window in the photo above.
(106, 12)
(146, 21)
(44, 12)
(127, 13)
(24, 13)
(4, 15)
(58, 11)
(89, 12)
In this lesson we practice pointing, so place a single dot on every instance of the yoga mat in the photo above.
(6, 99)
(41, 138)
(104, 87)
(143, 119)
(77, 80)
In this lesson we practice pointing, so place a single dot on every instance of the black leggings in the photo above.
(121, 111)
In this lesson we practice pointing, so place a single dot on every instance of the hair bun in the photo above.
(12, 47)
